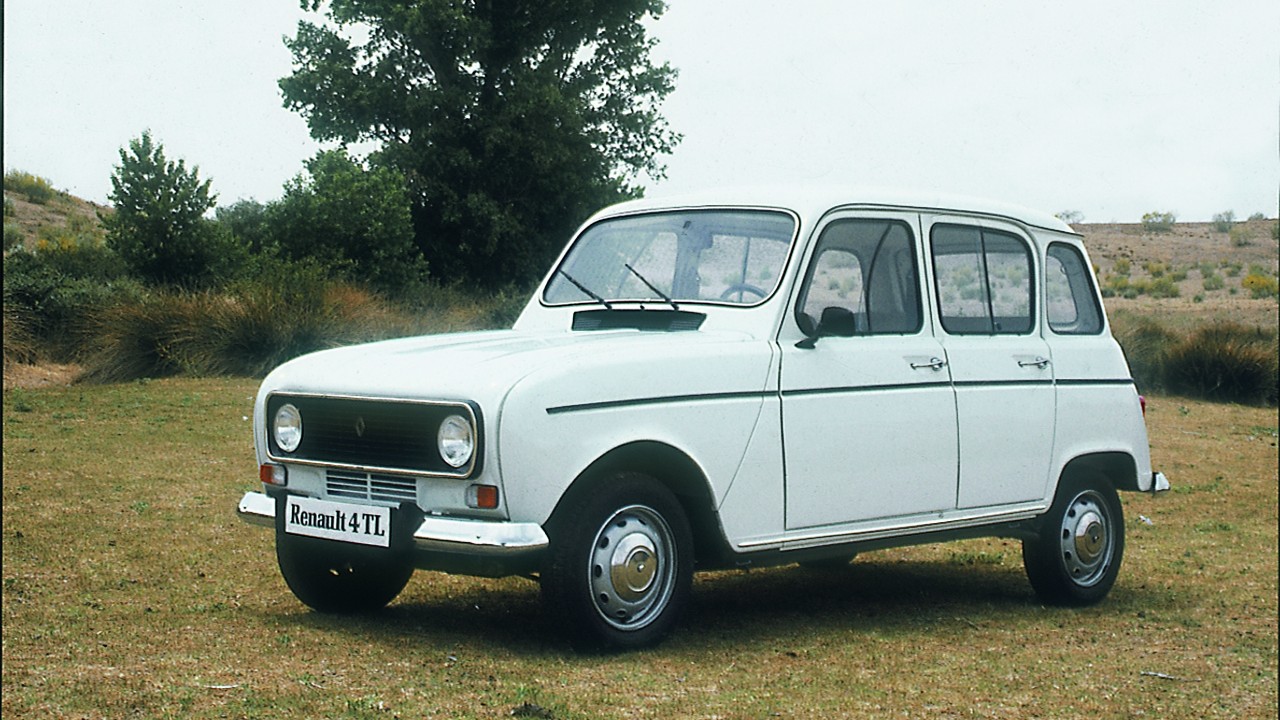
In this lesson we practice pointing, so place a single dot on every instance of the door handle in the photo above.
(1039, 362)
(935, 363)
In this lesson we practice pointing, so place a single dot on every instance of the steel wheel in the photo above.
(1086, 538)
(631, 567)
(1075, 557)
(620, 566)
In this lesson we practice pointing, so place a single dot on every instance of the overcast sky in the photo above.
(1109, 108)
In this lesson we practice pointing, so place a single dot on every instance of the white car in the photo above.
(733, 380)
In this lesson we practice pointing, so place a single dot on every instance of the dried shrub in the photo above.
(1225, 362)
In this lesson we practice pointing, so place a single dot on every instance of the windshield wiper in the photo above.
(585, 290)
(644, 280)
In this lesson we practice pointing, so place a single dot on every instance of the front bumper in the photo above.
(473, 547)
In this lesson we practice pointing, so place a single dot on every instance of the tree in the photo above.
(347, 216)
(511, 121)
(158, 227)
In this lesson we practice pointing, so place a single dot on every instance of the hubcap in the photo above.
(1086, 539)
(631, 567)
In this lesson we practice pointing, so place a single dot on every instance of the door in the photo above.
(985, 289)
(869, 419)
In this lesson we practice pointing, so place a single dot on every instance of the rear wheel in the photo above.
(334, 578)
(1076, 557)
(620, 567)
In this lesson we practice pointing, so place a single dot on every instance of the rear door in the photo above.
(985, 289)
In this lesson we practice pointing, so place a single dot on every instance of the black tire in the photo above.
(620, 566)
(1076, 557)
(333, 577)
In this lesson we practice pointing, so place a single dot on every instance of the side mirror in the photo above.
(835, 321)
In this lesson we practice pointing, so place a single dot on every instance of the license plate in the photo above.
(345, 522)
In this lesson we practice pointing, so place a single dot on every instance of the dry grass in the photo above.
(131, 590)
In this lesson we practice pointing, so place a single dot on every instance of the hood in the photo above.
(479, 366)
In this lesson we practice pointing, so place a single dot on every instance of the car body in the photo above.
(738, 378)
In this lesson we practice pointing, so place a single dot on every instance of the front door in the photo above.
(869, 417)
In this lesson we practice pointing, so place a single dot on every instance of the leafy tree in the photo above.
(350, 217)
(1222, 221)
(1160, 222)
(247, 221)
(158, 226)
(511, 121)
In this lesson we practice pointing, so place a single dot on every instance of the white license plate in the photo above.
(345, 522)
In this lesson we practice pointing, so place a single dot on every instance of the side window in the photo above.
(983, 281)
(862, 281)
(1073, 304)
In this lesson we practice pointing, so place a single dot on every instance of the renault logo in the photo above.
(360, 426)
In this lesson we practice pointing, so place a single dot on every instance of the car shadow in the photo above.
(756, 607)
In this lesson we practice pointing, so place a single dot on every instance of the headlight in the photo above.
(455, 441)
(288, 427)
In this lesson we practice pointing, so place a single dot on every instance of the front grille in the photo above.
(370, 486)
(369, 434)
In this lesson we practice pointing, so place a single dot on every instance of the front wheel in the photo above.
(620, 567)
(1076, 556)
(333, 578)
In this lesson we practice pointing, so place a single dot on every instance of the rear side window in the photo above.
(1073, 304)
(983, 281)
(862, 281)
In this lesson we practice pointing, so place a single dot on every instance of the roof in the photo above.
(812, 201)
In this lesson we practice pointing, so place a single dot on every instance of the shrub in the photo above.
(1163, 287)
(37, 189)
(1226, 362)
(1260, 286)
(1257, 216)
(9, 209)
(13, 236)
(1213, 281)
(19, 344)
(1155, 269)
(1146, 345)
(1122, 266)
(1240, 236)
(1159, 222)
(1222, 221)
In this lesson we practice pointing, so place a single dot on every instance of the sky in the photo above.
(1108, 109)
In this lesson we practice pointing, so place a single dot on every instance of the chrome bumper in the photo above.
(483, 538)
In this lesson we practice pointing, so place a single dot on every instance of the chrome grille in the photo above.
(392, 489)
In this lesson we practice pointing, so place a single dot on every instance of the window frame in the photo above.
(1090, 288)
(805, 281)
(1032, 287)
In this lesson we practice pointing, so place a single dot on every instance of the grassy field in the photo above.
(131, 590)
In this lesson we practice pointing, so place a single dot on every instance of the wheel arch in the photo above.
(1119, 468)
(672, 468)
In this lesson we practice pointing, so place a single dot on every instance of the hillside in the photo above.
(60, 215)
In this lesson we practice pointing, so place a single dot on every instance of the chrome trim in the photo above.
(479, 537)
(462, 473)
(813, 539)
(483, 538)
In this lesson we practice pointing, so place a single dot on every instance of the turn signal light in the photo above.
(483, 497)
(273, 475)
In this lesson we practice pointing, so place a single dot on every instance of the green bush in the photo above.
(1213, 281)
(1163, 287)
(13, 236)
(37, 189)
(1260, 286)
(1155, 269)
(9, 209)
(1240, 236)
(1123, 266)
(1225, 362)
(1257, 216)
(1222, 221)
(1159, 222)
(1146, 345)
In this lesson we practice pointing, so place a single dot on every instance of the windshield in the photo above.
(720, 256)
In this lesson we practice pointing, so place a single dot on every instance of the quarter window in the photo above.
(862, 281)
(983, 281)
(1073, 304)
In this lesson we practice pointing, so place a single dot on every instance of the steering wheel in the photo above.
(740, 289)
